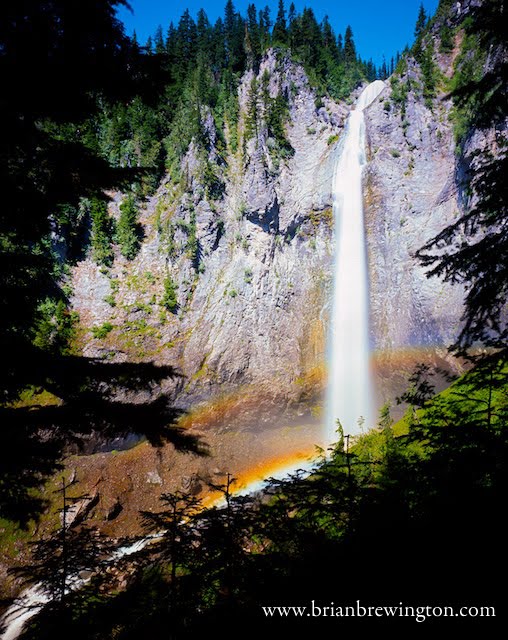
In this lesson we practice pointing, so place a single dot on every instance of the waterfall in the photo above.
(349, 389)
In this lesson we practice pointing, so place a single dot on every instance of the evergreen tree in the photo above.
(229, 23)
(329, 40)
(447, 39)
(160, 48)
(309, 39)
(171, 42)
(127, 230)
(292, 24)
(420, 26)
(349, 47)
(280, 34)
(135, 43)
(203, 35)
(265, 93)
(222, 555)
(252, 38)
(169, 298)
(251, 117)
(428, 68)
(421, 23)
(370, 70)
(186, 39)
(178, 543)
(218, 46)
(278, 113)
(265, 25)
(102, 231)
(234, 33)
(291, 14)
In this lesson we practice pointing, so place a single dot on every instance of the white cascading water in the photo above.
(33, 599)
(349, 388)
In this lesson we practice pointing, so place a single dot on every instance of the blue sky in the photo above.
(380, 27)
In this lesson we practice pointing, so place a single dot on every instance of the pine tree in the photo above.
(329, 40)
(230, 33)
(169, 298)
(421, 23)
(265, 25)
(349, 47)
(292, 18)
(280, 34)
(278, 114)
(127, 233)
(447, 39)
(370, 70)
(310, 40)
(171, 42)
(186, 38)
(218, 46)
(383, 74)
(252, 38)
(251, 117)
(203, 33)
(291, 14)
(178, 542)
(101, 232)
(234, 35)
(160, 48)
(428, 68)
(134, 41)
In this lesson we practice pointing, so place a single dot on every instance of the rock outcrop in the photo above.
(252, 291)
(411, 196)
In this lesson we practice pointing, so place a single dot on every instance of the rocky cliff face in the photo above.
(252, 289)
(416, 185)
(252, 265)
(410, 196)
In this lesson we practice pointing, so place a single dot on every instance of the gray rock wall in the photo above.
(410, 196)
(252, 312)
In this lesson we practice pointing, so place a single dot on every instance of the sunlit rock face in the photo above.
(411, 194)
(410, 197)
(253, 310)
(255, 297)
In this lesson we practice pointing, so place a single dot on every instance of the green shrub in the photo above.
(101, 332)
(169, 299)
(55, 326)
